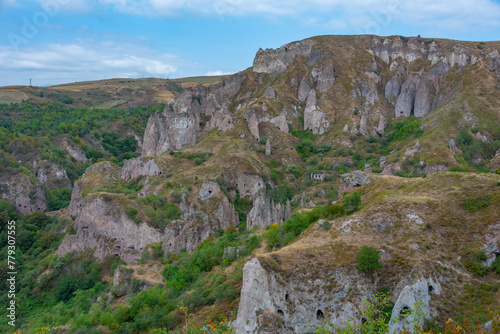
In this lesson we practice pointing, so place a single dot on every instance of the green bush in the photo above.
(496, 265)
(368, 260)
(132, 212)
(404, 129)
(305, 148)
(351, 203)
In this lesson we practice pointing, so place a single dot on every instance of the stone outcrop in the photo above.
(268, 147)
(50, 174)
(350, 181)
(314, 119)
(134, 168)
(413, 149)
(393, 87)
(276, 61)
(362, 125)
(196, 226)
(101, 224)
(453, 145)
(249, 184)
(281, 123)
(406, 100)
(324, 76)
(492, 252)
(226, 214)
(382, 123)
(422, 100)
(421, 292)
(304, 90)
(272, 303)
(270, 94)
(264, 212)
(22, 191)
(74, 151)
(430, 169)
(178, 126)
(208, 189)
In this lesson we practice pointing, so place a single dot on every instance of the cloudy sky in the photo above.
(60, 41)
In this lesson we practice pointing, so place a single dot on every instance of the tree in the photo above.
(368, 259)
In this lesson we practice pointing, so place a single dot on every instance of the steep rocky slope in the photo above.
(278, 138)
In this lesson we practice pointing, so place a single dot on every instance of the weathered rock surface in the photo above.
(275, 61)
(50, 174)
(453, 145)
(350, 181)
(249, 184)
(281, 123)
(421, 292)
(270, 93)
(324, 76)
(362, 125)
(430, 169)
(268, 147)
(304, 90)
(178, 126)
(208, 189)
(101, 224)
(264, 212)
(406, 100)
(134, 168)
(382, 123)
(267, 295)
(422, 100)
(253, 126)
(314, 119)
(73, 150)
(393, 87)
(413, 149)
(22, 191)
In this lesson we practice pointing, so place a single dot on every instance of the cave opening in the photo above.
(320, 315)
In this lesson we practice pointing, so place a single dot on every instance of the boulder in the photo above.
(270, 94)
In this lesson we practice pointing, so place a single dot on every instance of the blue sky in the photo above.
(60, 41)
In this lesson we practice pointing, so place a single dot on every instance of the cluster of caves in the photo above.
(320, 315)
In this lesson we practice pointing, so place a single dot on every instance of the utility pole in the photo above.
(30, 82)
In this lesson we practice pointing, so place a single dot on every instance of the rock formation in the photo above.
(324, 76)
(24, 192)
(249, 184)
(266, 295)
(402, 314)
(314, 119)
(208, 189)
(276, 61)
(268, 147)
(270, 94)
(264, 212)
(350, 181)
(178, 126)
(134, 168)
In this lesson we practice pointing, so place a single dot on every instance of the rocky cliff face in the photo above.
(272, 302)
(23, 191)
(178, 126)
(101, 222)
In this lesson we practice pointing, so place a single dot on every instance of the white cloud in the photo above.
(83, 60)
(210, 73)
